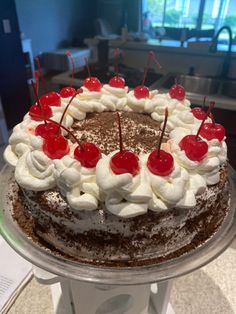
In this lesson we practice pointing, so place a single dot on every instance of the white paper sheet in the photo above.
(15, 272)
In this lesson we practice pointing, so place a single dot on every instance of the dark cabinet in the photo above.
(228, 119)
(14, 91)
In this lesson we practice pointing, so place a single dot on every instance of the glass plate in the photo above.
(44, 258)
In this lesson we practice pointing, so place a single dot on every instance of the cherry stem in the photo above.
(37, 98)
(117, 54)
(151, 57)
(212, 119)
(88, 68)
(176, 81)
(72, 60)
(61, 126)
(120, 133)
(211, 106)
(204, 102)
(67, 106)
(43, 80)
(162, 133)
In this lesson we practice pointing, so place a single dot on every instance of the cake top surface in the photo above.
(73, 140)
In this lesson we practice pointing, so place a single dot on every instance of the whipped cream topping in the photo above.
(114, 97)
(178, 112)
(124, 195)
(171, 191)
(146, 105)
(74, 109)
(209, 167)
(34, 171)
(77, 183)
(22, 140)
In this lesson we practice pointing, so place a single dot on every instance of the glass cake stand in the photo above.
(91, 276)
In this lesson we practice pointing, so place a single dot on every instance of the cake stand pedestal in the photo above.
(77, 297)
(90, 289)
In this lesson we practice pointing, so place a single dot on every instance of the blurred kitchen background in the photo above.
(194, 40)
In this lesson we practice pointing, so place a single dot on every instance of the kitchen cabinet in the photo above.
(14, 91)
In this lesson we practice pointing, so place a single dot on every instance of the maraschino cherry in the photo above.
(142, 91)
(92, 83)
(198, 112)
(124, 161)
(117, 81)
(55, 146)
(160, 162)
(46, 130)
(69, 91)
(88, 154)
(39, 111)
(195, 148)
(51, 99)
(177, 91)
(211, 131)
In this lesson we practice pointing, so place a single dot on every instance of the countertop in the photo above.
(211, 289)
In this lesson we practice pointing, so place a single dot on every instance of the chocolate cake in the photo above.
(109, 216)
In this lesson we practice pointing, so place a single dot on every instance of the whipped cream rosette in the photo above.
(22, 140)
(125, 195)
(77, 183)
(146, 105)
(173, 190)
(90, 101)
(35, 171)
(179, 114)
(67, 120)
(114, 97)
(74, 109)
(208, 168)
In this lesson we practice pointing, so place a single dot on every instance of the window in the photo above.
(200, 14)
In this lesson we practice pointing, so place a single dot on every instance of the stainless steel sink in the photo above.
(194, 84)
(229, 88)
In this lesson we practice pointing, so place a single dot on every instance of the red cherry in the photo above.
(141, 92)
(56, 146)
(177, 92)
(198, 113)
(117, 81)
(45, 111)
(212, 131)
(51, 99)
(67, 92)
(88, 154)
(93, 84)
(161, 165)
(195, 148)
(47, 130)
(125, 162)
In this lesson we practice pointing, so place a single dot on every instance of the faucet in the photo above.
(213, 48)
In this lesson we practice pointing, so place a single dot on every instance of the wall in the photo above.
(55, 23)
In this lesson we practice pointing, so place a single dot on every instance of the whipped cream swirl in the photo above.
(208, 168)
(22, 140)
(146, 105)
(114, 97)
(77, 183)
(35, 171)
(125, 195)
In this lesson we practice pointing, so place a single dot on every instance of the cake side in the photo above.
(101, 238)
